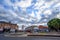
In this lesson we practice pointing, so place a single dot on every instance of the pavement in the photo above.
(20, 34)
(17, 35)
(56, 34)
(32, 34)
(29, 38)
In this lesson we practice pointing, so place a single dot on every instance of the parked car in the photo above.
(1, 30)
(36, 30)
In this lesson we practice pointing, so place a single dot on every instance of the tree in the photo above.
(54, 24)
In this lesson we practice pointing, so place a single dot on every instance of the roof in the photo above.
(40, 26)
(7, 22)
(3, 22)
(31, 27)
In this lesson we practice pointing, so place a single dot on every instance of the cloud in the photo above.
(25, 3)
(29, 11)
(32, 14)
(47, 12)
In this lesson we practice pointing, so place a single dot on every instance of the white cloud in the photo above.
(7, 2)
(58, 16)
(48, 4)
(45, 20)
(46, 16)
(57, 5)
(47, 12)
(24, 4)
(41, 6)
(32, 14)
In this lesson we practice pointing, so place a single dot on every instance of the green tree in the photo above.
(54, 24)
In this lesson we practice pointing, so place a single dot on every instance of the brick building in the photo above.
(8, 25)
(43, 28)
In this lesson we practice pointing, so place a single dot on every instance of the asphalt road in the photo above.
(29, 38)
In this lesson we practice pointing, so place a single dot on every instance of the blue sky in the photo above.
(29, 11)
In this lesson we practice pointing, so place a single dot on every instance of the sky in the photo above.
(29, 11)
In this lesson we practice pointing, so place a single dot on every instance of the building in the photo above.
(39, 28)
(30, 28)
(43, 28)
(8, 25)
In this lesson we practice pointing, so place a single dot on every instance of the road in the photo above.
(29, 38)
